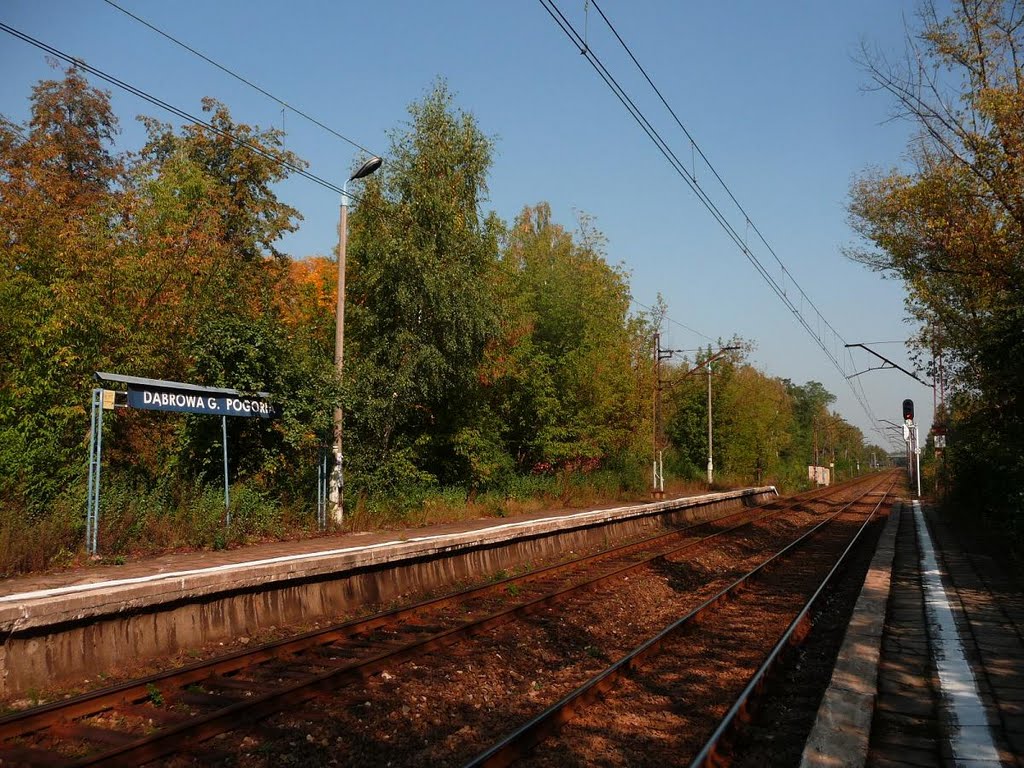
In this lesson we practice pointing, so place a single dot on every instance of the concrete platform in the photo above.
(931, 672)
(63, 625)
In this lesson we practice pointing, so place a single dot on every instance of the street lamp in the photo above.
(338, 472)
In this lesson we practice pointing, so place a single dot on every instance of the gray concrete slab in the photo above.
(63, 626)
(840, 733)
(27, 603)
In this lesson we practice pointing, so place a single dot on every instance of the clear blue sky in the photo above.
(770, 92)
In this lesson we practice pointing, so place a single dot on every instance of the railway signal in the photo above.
(913, 446)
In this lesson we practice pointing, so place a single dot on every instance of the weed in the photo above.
(62, 559)
(155, 697)
(593, 652)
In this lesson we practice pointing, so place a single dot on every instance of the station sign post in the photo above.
(161, 395)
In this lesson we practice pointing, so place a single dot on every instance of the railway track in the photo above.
(674, 661)
(172, 712)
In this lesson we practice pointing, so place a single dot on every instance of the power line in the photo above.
(707, 162)
(693, 142)
(820, 337)
(78, 63)
(675, 322)
(239, 77)
(659, 142)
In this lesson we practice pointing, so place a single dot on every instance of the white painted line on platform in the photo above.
(57, 591)
(970, 737)
(72, 589)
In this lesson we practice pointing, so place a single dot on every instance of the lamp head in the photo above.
(366, 168)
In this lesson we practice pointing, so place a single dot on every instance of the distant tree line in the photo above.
(496, 359)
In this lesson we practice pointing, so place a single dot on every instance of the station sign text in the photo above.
(187, 401)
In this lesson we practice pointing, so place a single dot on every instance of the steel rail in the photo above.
(524, 738)
(710, 753)
(201, 726)
(84, 705)
(251, 710)
(92, 703)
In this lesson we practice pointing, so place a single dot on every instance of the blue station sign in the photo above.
(192, 401)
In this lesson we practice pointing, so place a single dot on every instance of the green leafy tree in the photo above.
(952, 229)
(208, 226)
(59, 200)
(243, 162)
(810, 411)
(756, 425)
(419, 306)
(570, 372)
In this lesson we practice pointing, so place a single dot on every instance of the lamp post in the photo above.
(711, 463)
(337, 481)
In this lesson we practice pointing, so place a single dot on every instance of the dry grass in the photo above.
(133, 528)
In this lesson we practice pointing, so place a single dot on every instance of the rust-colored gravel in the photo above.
(445, 706)
(445, 709)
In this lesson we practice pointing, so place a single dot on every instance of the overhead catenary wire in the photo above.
(655, 136)
(685, 327)
(696, 147)
(659, 142)
(690, 179)
(184, 115)
(240, 78)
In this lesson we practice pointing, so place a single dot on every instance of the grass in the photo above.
(139, 522)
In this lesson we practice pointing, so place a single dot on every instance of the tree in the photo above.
(755, 424)
(571, 366)
(243, 163)
(161, 265)
(952, 227)
(810, 410)
(419, 309)
(208, 227)
(59, 200)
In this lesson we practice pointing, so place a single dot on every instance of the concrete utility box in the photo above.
(820, 475)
